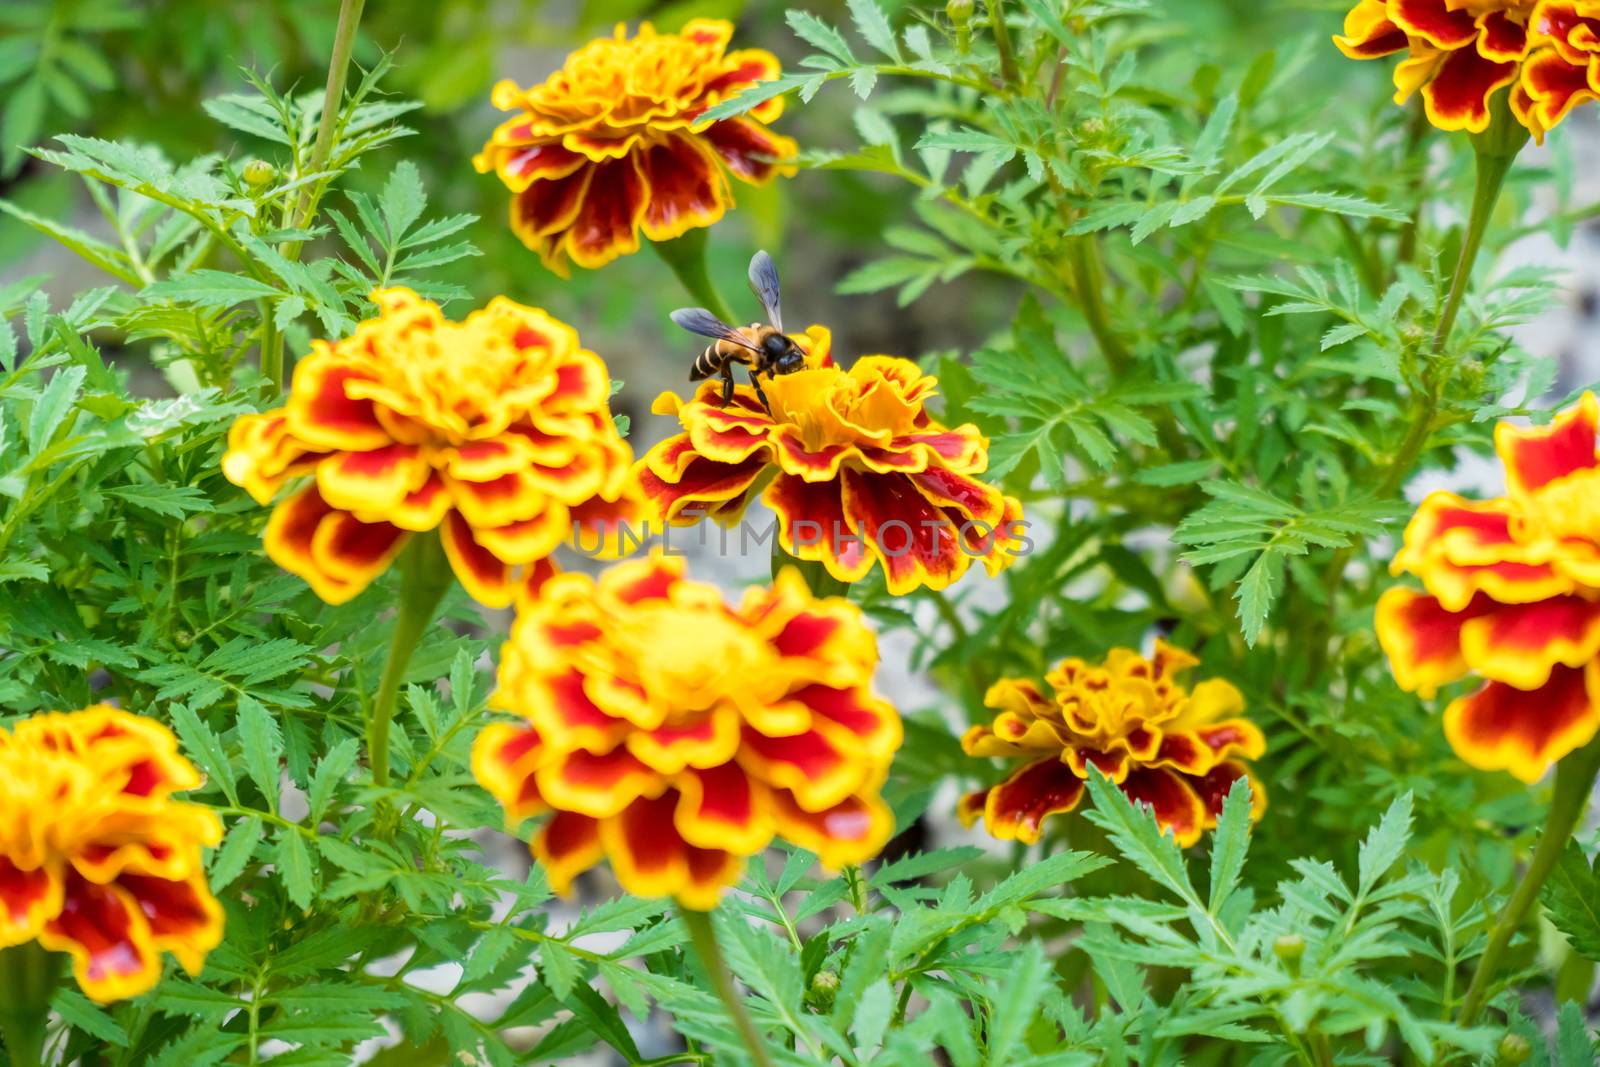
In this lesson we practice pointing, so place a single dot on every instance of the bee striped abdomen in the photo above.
(716, 356)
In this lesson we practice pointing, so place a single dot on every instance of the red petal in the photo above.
(1458, 96)
(1538, 455)
(1017, 807)
(607, 224)
(1503, 728)
(1177, 807)
(748, 148)
(687, 190)
(1435, 20)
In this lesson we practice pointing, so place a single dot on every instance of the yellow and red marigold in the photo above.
(496, 431)
(1175, 749)
(1511, 595)
(96, 858)
(678, 736)
(1460, 53)
(614, 142)
(856, 469)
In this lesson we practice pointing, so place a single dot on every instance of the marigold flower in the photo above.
(96, 858)
(613, 142)
(496, 430)
(677, 735)
(1459, 53)
(859, 471)
(1176, 749)
(1512, 596)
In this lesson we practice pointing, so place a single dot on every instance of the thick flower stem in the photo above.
(1002, 42)
(305, 205)
(1087, 278)
(686, 256)
(344, 42)
(28, 976)
(1489, 176)
(704, 937)
(1575, 777)
(424, 576)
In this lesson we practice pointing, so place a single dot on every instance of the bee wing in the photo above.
(702, 322)
(764, 281)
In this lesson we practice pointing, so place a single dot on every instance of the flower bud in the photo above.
(259, 172)
(1513, 1049)
(960, 12)
(1289, 948)
(824, 986)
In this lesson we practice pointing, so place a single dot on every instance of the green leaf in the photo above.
(174, 501)
(263, 747)
(76, 1009)
(1384, 844)
(1574, 1046)
(205, 748)
(873, 25)
(210, 288)
(294, 867)
(1136, 834)
(235, 852)
(331, 770)
(819, 34)
(53, 406)
(558, 968)
(1571, 898)
(1230, 843)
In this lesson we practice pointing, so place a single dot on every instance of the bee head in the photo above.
(784, 355)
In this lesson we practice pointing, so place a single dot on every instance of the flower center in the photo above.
(692, 660)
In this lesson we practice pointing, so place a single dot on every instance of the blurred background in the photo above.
(125, 69)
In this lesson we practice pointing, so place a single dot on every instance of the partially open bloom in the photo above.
(1460, 53)
(1511, 595)
(678, 736)
(96, 858)
(496, 431)
(614, 142)
(1175, 749)
(856, 469)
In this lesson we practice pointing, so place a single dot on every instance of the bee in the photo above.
(762, 349)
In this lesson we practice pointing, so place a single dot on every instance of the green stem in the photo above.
(28, 977)
(704, 937)
(1088, 276)
(686, 256)
(271, 349)
(1495, 150)
(1002, 43)
(344, 42)
(1575, 777)
(1489, 176)
(424, 576)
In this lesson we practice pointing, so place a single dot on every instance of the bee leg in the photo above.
(727, 385)
(755, 381)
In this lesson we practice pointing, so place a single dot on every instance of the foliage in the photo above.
(1210, 373)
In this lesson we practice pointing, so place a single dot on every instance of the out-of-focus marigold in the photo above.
(1176, 749)
(677, 735)
(1511, 595)
(614, 142)
(497, 431)
(856, 469)
(96, 858)
(1460, 53)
